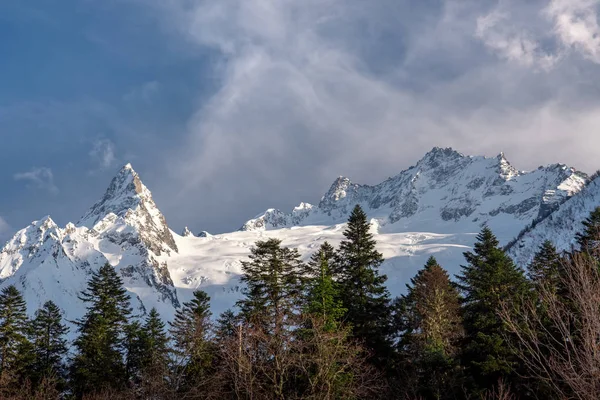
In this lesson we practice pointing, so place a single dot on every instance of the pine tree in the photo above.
(589, 239)
(270, 311)
(99, 360)
(134, 350)
(362, 288)
(47, 335)
(323, 294)
(325, 254)
(156, 343)
(273, 285)
(150, 357)
(226, 325)
(489, 280)
(190, 331)
(15, 348)
(545, 269)
(431, 324)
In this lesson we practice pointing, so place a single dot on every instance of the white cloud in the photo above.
(573, 26)
(511, 43)
(39, 178)
(103, 153)
(576, 25)
(309, 90)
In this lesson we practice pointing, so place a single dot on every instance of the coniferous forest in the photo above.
(328, 329)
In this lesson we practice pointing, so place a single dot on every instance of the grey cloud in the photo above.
(308, 92)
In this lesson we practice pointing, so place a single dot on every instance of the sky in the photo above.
(226, 108)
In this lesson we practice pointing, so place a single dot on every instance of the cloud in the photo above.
(511, 43)
(576, 24)
(103, 154)
(314, 89)
(39, 178)
(515, 34)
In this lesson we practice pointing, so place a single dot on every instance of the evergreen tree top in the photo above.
(546, 264)
(589, 239)
(431, 262)
(12, 305)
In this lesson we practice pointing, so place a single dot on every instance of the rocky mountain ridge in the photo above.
(444, 191)
(435, 207)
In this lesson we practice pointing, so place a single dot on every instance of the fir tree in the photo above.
(134, 350)
(226, 325)
(154, 356)
(15, 348)
(273, 284)
(589, 239)
(323, 295)
(190, 331)
(156, 343)
(362, 288)
(325, 254)
(99, 360)
(270, 310)
(431, 324)
(489, 280)
(47, 334)
(545, 269)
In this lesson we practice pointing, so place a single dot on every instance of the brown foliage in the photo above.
(558, 333)
(317, 365)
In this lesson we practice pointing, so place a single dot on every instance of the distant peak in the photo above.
(438, 156)
(338, 186)
(186, 232)
(505, 169)
(45, 222)
(125, 192)
(127, 171)
(443, 152)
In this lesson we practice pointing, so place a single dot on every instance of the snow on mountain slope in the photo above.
(213, 263)
(444, 192)
(124, 229)
(560, 227)
(434, 208)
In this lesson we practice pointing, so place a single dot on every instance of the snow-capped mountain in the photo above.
(434, 208)
(560, 227)
(125, 229)
(445, 192)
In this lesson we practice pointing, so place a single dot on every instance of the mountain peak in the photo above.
(128, 198)
(438, 156)
(124, 193)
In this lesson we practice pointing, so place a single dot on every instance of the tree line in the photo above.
(329, 329)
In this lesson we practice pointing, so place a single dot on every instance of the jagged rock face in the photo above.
(186, 232)
(128, 198)
(436, 206)
(445, 191)
(560, 227)
(275, 218)
(125, 229)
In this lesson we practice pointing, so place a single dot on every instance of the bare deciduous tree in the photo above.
(558, 332)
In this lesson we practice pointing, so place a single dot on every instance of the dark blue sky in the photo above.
(230, 107)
